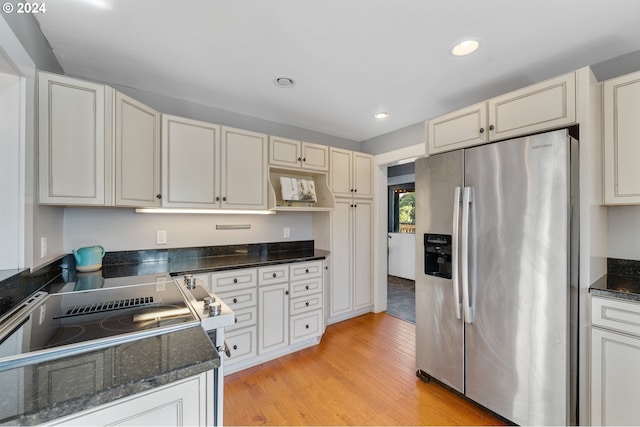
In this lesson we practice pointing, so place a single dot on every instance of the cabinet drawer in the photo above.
(301, 305)
(243, 298)
(275, 274)
(618, 315)
(306, 287)
(234, 279)
(242, 344)
(243, 317)
(304, 326)
(304, 270)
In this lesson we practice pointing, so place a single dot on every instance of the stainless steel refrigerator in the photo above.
(496, 279)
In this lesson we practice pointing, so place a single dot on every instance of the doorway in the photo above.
(401, 242)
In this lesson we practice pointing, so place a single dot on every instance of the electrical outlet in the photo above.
(161, 237)
(43, 247)
(287, 232)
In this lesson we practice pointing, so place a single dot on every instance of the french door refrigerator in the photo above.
(496, 279)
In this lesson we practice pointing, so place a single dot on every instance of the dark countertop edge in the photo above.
(617, 286)
(111, 394)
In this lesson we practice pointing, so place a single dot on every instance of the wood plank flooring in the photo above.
(362, 373)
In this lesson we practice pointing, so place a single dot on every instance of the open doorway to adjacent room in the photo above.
(401, 242)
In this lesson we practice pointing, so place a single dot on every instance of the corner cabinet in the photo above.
(209, 166)
(97, 146)
(615, 351)
(543, 106)
(621, 99)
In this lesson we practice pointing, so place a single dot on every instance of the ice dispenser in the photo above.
(437, 255)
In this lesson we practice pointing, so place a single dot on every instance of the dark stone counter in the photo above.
(621, 281)
(64, 386)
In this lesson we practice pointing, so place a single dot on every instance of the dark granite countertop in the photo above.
(57, 388)
(621, 281)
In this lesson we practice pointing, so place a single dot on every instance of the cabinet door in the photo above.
(137, 153)
(315, 157)
(547, 105)
(362, 175)
(284, 152)
(244, 169)
(183, 403)
(340, 172)
(190, 163)
(459, 129)
(242, 345)
(71, 115)
(615, 378)
(273, 317)
(341, 245)
(621, 99)
(362, 278)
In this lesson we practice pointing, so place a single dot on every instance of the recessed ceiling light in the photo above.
(381, 115)
(465, 47)
(284, 82)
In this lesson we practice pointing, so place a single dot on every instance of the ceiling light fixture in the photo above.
(284, 82)
(381, 115)
(465, 47)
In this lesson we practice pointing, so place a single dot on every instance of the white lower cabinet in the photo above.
(180, 403)
(615, 352)
(278, 309)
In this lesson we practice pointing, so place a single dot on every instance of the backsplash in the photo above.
(623, 267)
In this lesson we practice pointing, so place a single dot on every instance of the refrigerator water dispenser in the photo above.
(437, 255)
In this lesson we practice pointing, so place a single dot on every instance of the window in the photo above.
(402, 208)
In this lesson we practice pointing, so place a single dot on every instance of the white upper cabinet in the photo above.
(73, 145)
(244, 169)
(351, 173)
(190, 163)
(621, 98)
(546, 105)
(208, 166)
(298, 154)
(96, 146)
(137, 153)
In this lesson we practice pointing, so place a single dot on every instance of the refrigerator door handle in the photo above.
(467, 199)
(454, 252)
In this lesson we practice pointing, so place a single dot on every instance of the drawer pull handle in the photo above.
(275, 275)
(306, 271)
(307, 287)
(235, 320)
(235, 300)
(307, 303)
(306, 326)
(235, 347)
(235, 280)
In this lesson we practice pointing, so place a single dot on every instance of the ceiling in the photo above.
(348, 58)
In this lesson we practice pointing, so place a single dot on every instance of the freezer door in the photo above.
(439, 333)
(517, 347)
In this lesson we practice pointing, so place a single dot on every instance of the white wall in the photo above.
(124, 229)
(624, 232)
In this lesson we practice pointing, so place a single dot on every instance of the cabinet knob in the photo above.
(217, 198)
(299, 158)
(307, 303)
(306, 270)
(235, 320)
(355, 205)
(326, 267)
(235, 280)
(355, 190)
(235, 300)
(274, 275)
(286, 292)
(307, 287)
(491, 127)
(481, 130)
(304, 159)
(235, 347)
(224, 199)
(306, 326)
(351, 190)
(158, 196)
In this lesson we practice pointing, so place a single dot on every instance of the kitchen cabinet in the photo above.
(273, 314)
(291, 153)
(74, 141)
(350, 173)
(182, 402)
(542, 106)
(209, 166)
(137, 153)
(306, 301)
(351, 288)
(621, 103)
(615, 351)
(97, 146)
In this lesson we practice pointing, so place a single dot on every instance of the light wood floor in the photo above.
(362, 373)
